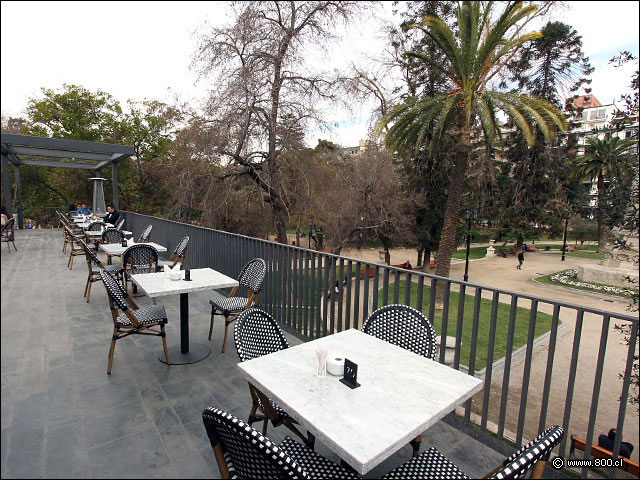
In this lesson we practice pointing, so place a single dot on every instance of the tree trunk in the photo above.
(280, 222)
(427, 260)
(603, 234)
(454, 198)
(420, 252)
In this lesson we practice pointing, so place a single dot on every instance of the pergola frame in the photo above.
(54, 152)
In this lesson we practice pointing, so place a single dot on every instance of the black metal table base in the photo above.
(196, 353)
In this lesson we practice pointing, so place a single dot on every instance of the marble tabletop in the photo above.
(159, 284)
(116, 249)
(401, 394)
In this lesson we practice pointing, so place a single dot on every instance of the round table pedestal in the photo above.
(197, 352)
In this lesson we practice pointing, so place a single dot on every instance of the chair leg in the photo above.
(226, 330)
(213, 310)
(89, 291)
(415, 443)
(86, 287)
(164, 345)
(14, 245)
(113, 346)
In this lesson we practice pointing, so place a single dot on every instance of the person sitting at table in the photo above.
(83, 210)
(112, 215)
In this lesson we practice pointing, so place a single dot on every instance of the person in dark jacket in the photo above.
(606, 441)
(112, 215)
(520, 260)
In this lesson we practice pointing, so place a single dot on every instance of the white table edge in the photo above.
(234, 283)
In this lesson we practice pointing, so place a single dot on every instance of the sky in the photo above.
(143, 50)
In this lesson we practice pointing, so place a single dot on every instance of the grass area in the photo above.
(543, 323)
(474, 252)
(595, 287)
(581, 254)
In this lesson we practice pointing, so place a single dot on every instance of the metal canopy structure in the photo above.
(54, 152)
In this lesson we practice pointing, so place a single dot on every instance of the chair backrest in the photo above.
(245, 452)
(91, 256)
(115, 291)
(95, 226)
(111, 235)
(252, 274)
(144, 236)
(140, 257)
(403, 326)
(119, 224)
(518, 464)
(256, 333)
(182, 246)
(8, 228)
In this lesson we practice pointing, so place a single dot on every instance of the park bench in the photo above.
(531, 248)
(578, 443)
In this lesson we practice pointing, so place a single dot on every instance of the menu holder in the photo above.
(187, 275)
(350, 374)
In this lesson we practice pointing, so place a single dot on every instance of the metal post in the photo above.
(114, 185)
(8, 194)
(19, 196)
(466, 265)
(564, 239)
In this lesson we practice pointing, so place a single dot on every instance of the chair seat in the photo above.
(230, 304)
(429, 464)
(146, 316)
(112, 268)
(314, 465)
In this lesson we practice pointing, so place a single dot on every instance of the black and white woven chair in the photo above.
(177, 256)
(111, 235)
(76, 246)
(534, 455)
(251, 278)
(133, 320)
(406, 328)
(95, 266)
(145, 235)
(8, 234)
(139, 259)
(242, 452)
(256, 333)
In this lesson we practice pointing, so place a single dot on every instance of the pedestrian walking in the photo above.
(520, 260)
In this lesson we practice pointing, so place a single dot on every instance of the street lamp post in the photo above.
(468, 215)
(564, 237)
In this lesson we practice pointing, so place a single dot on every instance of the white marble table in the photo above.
(159, 284)
(401, 394)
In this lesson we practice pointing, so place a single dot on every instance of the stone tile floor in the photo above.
(64, 417)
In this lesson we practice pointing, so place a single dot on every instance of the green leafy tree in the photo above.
(603, 160)
(475, 51)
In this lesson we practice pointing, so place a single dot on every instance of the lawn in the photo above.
(474, 252)
(543, 323)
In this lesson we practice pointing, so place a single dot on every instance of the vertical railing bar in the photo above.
(385, 287)
(625, 394)
(572, 380)
(507, 366)
(315, 311)
(444, 325)
(474, 341)
(356, 299)
(348, 301)
(596, 390)
(374, 294)
(325, 301)
(432, 300)
(420, 295)
(396, 290)
(547, 378)
(460, 318)
(365, 300)
(527, 371)
(294, 287)
(340, 294)
(488, 371)
(407, 289)
(287, 284)
(282, 284)
(300, 296)
(307, 303)
(332, 296)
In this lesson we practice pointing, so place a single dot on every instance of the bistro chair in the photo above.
(133, 320)
(139, 259)
(256, 333)
(94, 227)
(177, 256)
(533, 456)
(406, 328)
(94, 272)
(111, 235)
(119, 224)
(7, 233)
(144, 236)
(76, 247)
(251, 277)
(242, 452)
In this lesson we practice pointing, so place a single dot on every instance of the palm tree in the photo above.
(601, 160)
(473, 55)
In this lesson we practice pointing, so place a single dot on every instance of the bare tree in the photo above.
(265, 91)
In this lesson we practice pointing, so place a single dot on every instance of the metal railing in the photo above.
(543, 361)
